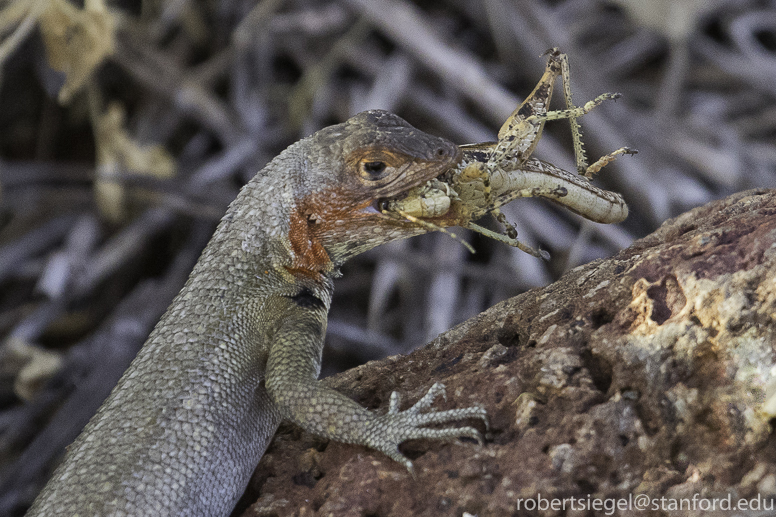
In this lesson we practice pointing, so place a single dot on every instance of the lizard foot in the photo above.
(393, 428)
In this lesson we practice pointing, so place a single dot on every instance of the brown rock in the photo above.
(651, 373)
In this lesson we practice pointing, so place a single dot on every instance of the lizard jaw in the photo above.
(373, 208)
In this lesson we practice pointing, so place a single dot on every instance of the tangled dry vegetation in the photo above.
(128, 126)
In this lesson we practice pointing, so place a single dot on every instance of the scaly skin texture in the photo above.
(239, 349)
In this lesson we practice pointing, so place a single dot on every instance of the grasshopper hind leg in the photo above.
(605, 160)
(542, 254)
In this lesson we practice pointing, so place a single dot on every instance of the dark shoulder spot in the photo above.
(306, 299)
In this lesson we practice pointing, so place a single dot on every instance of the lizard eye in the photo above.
(373, 170)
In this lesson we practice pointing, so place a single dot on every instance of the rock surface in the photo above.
(651, 374)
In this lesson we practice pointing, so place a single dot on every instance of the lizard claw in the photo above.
(424, 403)
(396, 426)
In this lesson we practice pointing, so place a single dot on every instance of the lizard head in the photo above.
(378, 154)
(352, 166)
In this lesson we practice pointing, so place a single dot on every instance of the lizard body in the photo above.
(240, 347)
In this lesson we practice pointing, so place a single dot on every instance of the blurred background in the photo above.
(127, 126)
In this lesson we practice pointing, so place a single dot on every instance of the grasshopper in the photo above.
(490, 175)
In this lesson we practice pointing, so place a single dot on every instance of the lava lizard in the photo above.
(240, 347)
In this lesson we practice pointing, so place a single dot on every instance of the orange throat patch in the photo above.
(310, 258)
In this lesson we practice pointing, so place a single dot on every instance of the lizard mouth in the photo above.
(425, 197)
(382, 205)
(375, 207)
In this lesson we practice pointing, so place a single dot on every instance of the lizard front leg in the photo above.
(291, 380)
